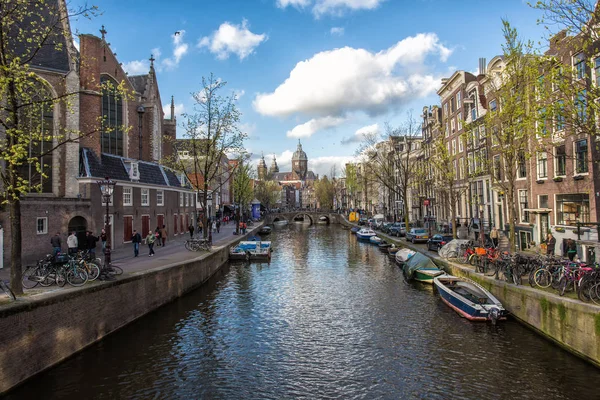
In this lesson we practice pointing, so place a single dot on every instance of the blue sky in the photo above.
(322, 71)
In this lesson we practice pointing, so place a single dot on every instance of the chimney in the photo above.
(482, 66)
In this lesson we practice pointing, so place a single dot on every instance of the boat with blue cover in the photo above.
(251, 251)
(365, 234)
(469, 299)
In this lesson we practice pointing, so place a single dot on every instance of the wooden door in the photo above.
(127, 228)
(145, 225)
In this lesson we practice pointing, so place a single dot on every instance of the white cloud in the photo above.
(156, 53)
(137, 67)
(232, 39)
(337, 31)
(76, 43)
(336, 82)
(180, 48)
(239, 93)
(322, 165)
(307, 129)
(331, 7)
(248, 128)
(359, 135)
(179, 109)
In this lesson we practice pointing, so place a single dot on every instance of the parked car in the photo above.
(437, 241)
(417, 235)
(394, 229)
(362, 221)
(403, 228)
(385, 228)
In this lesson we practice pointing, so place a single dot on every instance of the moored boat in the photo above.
(392, 250)
(323, 220)
(365, 234)
(265, 230)
(469, 299)
(354, 229)
(384, 246)
(251, 250)
(280, 222)
(403, 255)
(375, 239)
(420, 268)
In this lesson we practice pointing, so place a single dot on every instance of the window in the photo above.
(581, 157)
(112, 118)
(470, 163)
(560, 161)
(495, 136)
(543, 201)
(493, 105)
(581, 105)
(127, 228)
(461, 168)
(558, 77)
(458, 99)
(482, 132)
(452, 125)
(523, 204)
(160, 197)
(571, 208)
(134, 171)
(452, 105)
(180, 199)
(127, 196)
(497, 168)
(445, 110)
(38, 122)
(476, 136)
(447, 130)
(42, 225)
(459, 121)
(579, 65)
(187, 199)
(542, 165)
(521, 166)
(454, 147)
(541, 123)
(461, 148)
(559, 118)
(145, 197)
(597, 71)
(191, 196)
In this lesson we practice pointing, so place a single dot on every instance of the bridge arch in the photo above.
(324, 218)
(303, 217)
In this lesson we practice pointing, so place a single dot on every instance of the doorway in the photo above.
(79, 226)
(544, 226)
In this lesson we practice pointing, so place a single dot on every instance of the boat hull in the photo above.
(427, 275)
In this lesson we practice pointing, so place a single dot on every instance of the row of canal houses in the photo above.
(138, 137)
(557, 183)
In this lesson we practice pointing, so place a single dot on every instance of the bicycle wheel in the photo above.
(563, 283)
(492, 268)
(542, 278)
(516, 275)
(595, 293)
(114, 270)
(77, 276)
(93, 271)
(61, 279)
(188, 245)
(583, 290)
(49, 277)
(30, 277)
(463, 258)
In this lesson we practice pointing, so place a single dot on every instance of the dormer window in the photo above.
(134, 171)
(182, 179)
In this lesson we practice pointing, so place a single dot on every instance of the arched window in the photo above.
(112, 117)
(37, 117)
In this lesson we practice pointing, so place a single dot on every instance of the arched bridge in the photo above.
(308, 217)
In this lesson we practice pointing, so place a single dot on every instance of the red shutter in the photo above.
(160, 220)
(175, 224)
(145, 225)
(127, 228)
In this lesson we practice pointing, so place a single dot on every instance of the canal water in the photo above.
(328, 318)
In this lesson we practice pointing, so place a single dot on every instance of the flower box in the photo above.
(557, 179)
(578, 177)
(540, 181)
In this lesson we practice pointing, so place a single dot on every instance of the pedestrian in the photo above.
(157, 235)
(91, 241)
(163, 235)
(550, 244)
(218, 226)
(72, 243)
(191, 229)
(150, 242)
(494, 236)
(56, 244)
(136, 239)
(200, 226)
(571, 249)
(103, 239)
(214, 226)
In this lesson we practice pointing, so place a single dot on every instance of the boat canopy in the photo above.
(452, 248)
(416, 262)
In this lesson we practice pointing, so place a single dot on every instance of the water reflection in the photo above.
(328, 318)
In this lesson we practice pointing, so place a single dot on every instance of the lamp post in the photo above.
(481, 225)
(140, 111)
(107, 187)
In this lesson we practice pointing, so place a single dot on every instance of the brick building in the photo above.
(147, 194)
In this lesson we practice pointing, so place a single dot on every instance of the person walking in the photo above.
(150, 242)
(56, 244)
(571, 249)
(200, 226)
(550, 244)
(91, 241)
(136, 239)
(191, 229)
(214, 226)
(218, 226)
(103, 239)
(163, 235)
(72, 243)
(157, 235)
(494, 236)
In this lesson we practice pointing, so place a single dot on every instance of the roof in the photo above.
(116, 168)
(139, 83)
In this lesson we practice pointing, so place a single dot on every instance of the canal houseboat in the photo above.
(365, 234)
(251, 251)
(469, 299)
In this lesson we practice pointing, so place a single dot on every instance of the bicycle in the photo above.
(7, 291)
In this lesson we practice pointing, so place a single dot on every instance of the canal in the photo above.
(328, 318)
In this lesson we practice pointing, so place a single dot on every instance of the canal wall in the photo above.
(570, 323)
(39, 332)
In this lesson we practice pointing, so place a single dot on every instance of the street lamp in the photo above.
(140, 111)
(481, 225)
(107, 188)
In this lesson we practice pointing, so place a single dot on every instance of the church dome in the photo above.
(299, 154)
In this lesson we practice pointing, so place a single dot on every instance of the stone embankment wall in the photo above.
(572, 324)
(39, 332)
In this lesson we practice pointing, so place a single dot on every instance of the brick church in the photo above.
(127, 147)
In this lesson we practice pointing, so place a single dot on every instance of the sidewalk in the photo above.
(174, 251)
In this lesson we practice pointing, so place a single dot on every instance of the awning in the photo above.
(538, 210)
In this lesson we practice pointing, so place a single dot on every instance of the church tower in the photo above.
(274, 168)
(300, 162)
(262, 169)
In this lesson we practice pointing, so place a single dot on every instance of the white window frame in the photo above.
(186, 199)
(555, 162)
(160, 197)
(461, 146)
(452, 125)
(459, 121)
(453, 147)
(461, 168)
(127, 191)
(44, 230)
(575, 58)
(587, 156)
(145, 194)
(542, 155)
(180, 199)
(458, 99)
(521, 210)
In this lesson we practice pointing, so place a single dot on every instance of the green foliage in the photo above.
(242, 182)
(324, 192)
(268, 193)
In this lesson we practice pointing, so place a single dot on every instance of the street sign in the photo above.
(426, 202)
